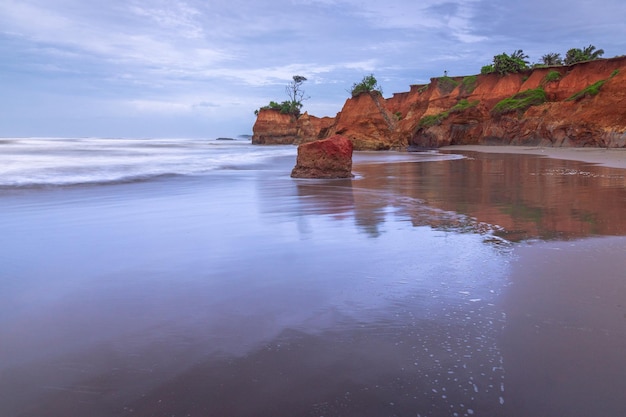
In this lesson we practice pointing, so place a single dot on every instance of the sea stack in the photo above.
(327, 158)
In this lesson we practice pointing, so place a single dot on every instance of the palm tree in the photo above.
(592, 53)
(589, 53)
(552, 58)
(520, 56)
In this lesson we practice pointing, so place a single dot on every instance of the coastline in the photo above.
(612, 157)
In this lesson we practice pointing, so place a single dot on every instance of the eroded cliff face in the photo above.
(273, 128)
(462, 112)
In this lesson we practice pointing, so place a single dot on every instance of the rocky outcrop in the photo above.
(274, 128)
(327, 158)
(584, 105)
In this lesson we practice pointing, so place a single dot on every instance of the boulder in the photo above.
(327, 158)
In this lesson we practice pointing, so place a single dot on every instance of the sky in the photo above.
(199, 68)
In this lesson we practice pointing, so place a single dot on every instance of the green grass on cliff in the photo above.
(520, 102)
(446, 84)
(435, 119)
(591, 90)
(469, 84)
(551, 76)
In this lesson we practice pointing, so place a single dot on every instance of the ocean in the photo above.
(153, 277)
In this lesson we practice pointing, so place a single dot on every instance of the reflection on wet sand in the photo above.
(251, 294)
(516, 197)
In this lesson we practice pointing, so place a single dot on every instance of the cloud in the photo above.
(198, 58)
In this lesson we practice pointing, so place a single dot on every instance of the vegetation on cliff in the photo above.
(435, 119)
(296, 97)
(507, 64)
(367, 85)
(518, 61)
(433, 115)
(588, 53)
(592, 89)
(520, 102)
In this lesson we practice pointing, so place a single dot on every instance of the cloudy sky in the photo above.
(199, 68)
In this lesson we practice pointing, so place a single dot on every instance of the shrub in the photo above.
(506, 64)
(286, 107)
(367, 85)
(469, 84)
(446, 84)
(487, 69)
(614, 73)
(520, 101)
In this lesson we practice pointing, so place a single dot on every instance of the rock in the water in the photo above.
(328, 158)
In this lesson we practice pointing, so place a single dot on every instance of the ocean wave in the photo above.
(42, 162)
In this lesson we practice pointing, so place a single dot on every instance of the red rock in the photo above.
(327, 158)
(273, 128)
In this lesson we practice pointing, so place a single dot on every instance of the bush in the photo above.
(487, 69)
(520, 102)
(367, 85)
(286, 107)
(506, 64)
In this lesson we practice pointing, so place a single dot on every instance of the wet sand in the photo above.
(613, 157)
(247, 293)
(565, 339)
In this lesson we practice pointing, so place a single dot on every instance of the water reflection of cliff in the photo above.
(516, 197)
(526, 196)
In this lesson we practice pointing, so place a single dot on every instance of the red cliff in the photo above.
(578, 105)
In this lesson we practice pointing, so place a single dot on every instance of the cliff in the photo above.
(578, 105)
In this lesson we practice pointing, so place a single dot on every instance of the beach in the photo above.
(611, 157)
(433, 284)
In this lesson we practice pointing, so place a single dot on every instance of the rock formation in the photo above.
(327, 158)
(581, 105)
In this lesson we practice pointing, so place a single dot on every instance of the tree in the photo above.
(296, 97)
(552, 58)
(367, 85)
(296, 94)
(504, 64)
(588, 53)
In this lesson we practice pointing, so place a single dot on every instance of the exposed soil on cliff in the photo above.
(582, 105)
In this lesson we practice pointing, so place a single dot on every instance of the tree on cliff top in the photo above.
(294, 89)
(505, 64)
(552, 58)
(588, 53)
(367, 85)
(296, 97)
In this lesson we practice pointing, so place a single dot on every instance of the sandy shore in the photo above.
(615, 158)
